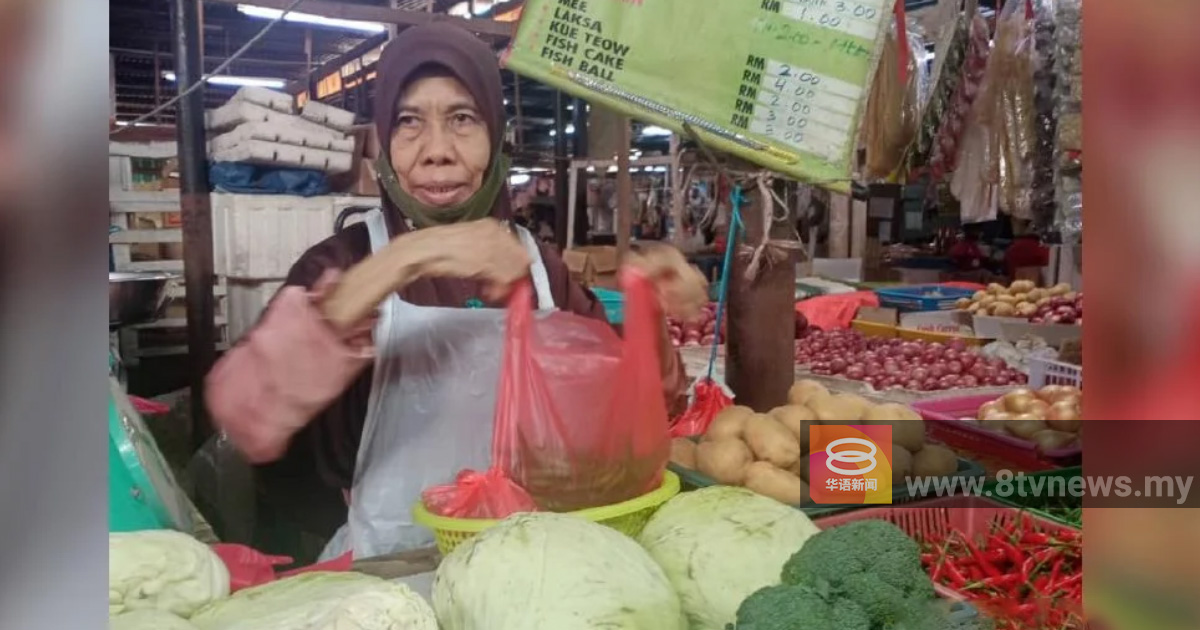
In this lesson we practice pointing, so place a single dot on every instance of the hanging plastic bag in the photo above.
(580, 417)
(708, 399)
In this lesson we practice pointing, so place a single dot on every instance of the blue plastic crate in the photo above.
(930, 297)
(614, 304)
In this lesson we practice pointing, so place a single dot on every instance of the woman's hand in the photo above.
(682, 289)
(481, 250)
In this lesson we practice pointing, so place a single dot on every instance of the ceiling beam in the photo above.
(365, 13)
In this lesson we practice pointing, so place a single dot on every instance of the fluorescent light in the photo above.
(517, 180)
(591, 169)
(570, 129)
(612, 169)
(316, 20)
(655, 131)
(221, 79)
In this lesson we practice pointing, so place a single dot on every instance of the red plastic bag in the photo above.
(249, 567)
(835, 312)
(709, 399)
(580, 417)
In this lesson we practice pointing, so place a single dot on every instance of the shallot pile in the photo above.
(901, 364)
(699, 332)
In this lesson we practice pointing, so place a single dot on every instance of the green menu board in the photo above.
(780, 83)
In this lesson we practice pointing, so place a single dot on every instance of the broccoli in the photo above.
(867, 546)
(786, 607)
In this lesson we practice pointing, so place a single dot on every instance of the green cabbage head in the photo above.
(718, 545)
(320, 601)
(162, 570)
(148, 619)
(549, 571)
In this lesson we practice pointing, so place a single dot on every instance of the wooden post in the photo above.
(624, 190)
(760, 355)
(562, 164)
(839, 226)
(858, 228)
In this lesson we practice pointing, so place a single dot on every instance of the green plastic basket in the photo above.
(142, 491)
(967, 469)
(1040, 506)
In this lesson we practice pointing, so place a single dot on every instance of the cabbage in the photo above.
(163, 570)
(148, 619)
(320, 601)
(719, 545)
(550, 571)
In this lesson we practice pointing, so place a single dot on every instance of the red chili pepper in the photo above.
(928, 558)
(995, 556)
(1054, 571)
(1006, 581)
(1040, 584)
(1035, 538)
(1068, 535)
(957, 579)
(1068, 582)
(975, 572)
(987, 567)
(1013, 554)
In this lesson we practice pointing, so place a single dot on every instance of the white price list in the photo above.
(804, 109)
(854, 17)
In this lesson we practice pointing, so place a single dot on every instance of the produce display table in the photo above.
(695, 360)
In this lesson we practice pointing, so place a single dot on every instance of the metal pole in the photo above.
(562, 168)
(195, 206)
(624, 190)
(579, 118)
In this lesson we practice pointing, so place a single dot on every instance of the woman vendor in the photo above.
(312, 392)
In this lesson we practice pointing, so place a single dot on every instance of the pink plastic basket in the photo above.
(944, 422)
(972, 516)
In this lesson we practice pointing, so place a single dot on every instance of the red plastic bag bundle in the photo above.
(249, 567)
(708, 400)
(580, 417)
(835, 312)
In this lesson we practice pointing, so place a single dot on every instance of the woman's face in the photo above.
(440, 146)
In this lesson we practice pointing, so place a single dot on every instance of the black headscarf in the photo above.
(458, 52)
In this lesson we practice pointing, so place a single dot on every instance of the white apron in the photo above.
(433, 396)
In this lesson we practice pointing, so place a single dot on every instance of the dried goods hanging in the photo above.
(945, 152)
(890, 123)
(1008, 112)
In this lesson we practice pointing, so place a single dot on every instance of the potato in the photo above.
(978, 295)
(1024, 425)
(838, 409)
(934, 460)
(996, 289)
(908, 428)
(902, 463)
(769, 481)
(987, 301)
(804, 390)
(1043, 301)
(1004, 309)
(800, 468)
(974, 308)
(1061, 288)
(683, 452)
(1023, 286)
(771, 441)
(724, 460)
(1026, 309)
(1049, 439)
(797, 419)
(1038, 294)
(988, 407)
(1021, 297)
(861, 403)
(1070, 295)
(729, 423)
(962, 304)
(1007, 299)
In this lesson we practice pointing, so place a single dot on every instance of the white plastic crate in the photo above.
(246, 302)
(1044, 372)
(260, 237)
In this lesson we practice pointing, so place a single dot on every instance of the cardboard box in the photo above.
(593, 266)
(944, 322)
